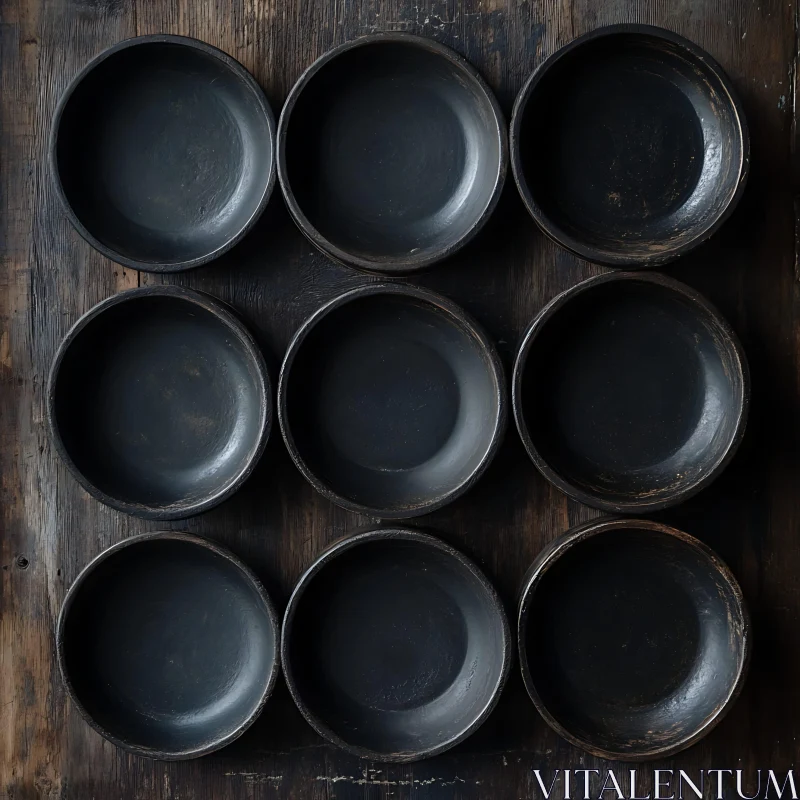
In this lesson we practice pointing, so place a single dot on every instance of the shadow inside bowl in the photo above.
(630, 392)
(391, 403)
(164, 152)
(630, 146)
(168, 646)
(394, 152)
(396, 647)
(634, 640)
(159, 403)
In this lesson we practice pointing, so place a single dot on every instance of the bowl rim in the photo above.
(459, 318)
(575, 536)
(227, 317)
(241, 74)
(688, 295)
(218, 550)
(574, 245)
(417, 537)
(410, 263)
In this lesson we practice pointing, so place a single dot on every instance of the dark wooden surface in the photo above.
(48, 277)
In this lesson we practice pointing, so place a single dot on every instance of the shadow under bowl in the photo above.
(629, 146)
(395, 646)
(633, 638)
(159, 402)
(630, 392)
(392, 152)
(162, 150)
(168, 645)
(391, 401)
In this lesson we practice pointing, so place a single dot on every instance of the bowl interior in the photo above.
(634, 641)
(392, 152)
(631, 392)
(391, 402)
(158, 403)
(630, 146)
(168, 646)
(164, 153)
(396, 647)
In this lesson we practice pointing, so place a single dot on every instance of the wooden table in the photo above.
(49, 276)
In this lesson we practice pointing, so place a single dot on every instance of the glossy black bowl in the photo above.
(630, 392)
(392, 152)
(629, 146)
(633, 638)
(162, 151)
(159, 402)
(391, 400)
(168, 645)
(395, 646)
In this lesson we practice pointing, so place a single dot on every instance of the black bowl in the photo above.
(162, 151)
(159, 402)
(392, 152)
(633, 638)
(391, 401)
(168, 645)
(630, 392)
(629, 146)
(395, 646)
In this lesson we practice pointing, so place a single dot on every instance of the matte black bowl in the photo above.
(162, 150)
(168, 645)
(391, 401)
(395, 646)
(633, 638)
(630, 392)
(392, 152)
(159, 402)
(629, 146)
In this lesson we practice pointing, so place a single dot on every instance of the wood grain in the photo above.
(49, 276)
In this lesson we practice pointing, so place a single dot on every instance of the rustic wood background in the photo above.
(48, 277)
